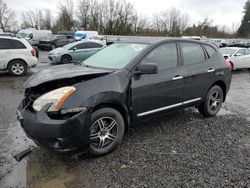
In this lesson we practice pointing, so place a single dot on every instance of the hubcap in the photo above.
(103, 132)
(215, 101)
(17, 68)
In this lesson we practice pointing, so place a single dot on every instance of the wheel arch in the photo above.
(119, 107)
(66, 55)
(222, 85)
(16, 59)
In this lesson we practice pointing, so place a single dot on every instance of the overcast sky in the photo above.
(222, 12)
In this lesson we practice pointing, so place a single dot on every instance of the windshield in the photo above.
(21, 35)
(227, 51)
(115, 56)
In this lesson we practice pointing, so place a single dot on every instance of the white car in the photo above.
(16, 55)
(239, 57)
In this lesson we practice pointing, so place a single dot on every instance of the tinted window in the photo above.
(88, 45)
(192, 53)
(210, 50)
(15, 44)
(11, 44)
(61, 37)
(165, 56)
(4, 44)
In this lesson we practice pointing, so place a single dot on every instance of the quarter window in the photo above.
(192, 53)
(15, 44)
(165, 56)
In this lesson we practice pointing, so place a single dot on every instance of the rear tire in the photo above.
(66, 59)
(17, 68)
(106, 131)
(213, 101)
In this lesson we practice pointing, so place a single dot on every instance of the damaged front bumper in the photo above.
(69, 135)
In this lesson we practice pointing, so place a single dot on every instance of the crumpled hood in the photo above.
(61, 72)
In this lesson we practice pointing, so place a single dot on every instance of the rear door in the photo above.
(199, 70)
(162, 91)
(5, 52)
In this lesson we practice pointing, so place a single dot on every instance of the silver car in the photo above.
(239, 57)
(74, 52)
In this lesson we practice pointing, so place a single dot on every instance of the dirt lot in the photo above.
(180, 149)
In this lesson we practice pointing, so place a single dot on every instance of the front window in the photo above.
(70, 46)
(115, 56)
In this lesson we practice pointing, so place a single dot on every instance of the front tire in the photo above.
(17, 68)
(66, 59)
(213, 101)
(53, 46)
(106, 131)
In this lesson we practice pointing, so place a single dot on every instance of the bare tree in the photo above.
(47, 21)
(139, 24)
(83, 13)
(170, 22)
(32, 19)
(7, 16)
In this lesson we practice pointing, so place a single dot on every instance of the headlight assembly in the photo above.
(56, 98)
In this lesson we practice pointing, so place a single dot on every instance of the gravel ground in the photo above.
(181, 149)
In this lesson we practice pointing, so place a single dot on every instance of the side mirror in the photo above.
(75, 48)
(238, 54)
(147, 68)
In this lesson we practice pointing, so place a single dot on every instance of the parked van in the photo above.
(81, 35)
(33, 36)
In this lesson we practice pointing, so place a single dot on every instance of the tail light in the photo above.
(33, 52)
(229, 65)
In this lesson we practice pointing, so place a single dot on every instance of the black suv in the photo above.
(87, 107)
(54, 41)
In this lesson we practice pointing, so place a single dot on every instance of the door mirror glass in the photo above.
(147, 68)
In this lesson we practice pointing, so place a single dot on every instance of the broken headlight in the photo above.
(56, 98)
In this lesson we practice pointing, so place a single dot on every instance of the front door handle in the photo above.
(177, 78)
(211, 70)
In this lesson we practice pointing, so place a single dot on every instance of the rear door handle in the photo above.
(177, 78)
(211, 70)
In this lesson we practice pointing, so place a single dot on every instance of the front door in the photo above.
(162, 91)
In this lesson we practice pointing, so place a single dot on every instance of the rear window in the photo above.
(210, 50)
(11, 44)
(192, 53)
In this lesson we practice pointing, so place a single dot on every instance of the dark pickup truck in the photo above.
(55, 41)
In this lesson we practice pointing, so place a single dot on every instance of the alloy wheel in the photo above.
(103, 132)
(215, 101)
(17, 68)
